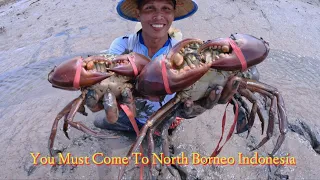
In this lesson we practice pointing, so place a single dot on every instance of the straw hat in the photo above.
(184, 8)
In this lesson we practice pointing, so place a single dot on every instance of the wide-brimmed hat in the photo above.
(184, 8)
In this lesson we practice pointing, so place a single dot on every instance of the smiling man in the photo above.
(156, 17)
(152, 40)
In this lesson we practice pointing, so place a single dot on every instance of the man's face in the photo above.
(156, 17)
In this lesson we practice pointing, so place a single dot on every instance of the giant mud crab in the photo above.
(192, 68)
(104, 81)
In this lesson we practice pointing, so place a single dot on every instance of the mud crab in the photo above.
(104, 80)
(192, 68)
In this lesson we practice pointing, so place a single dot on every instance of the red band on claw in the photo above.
(135, 69)
(239, 54)
(76, 81)
(165, 76)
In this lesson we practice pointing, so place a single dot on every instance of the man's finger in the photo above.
(212, 99)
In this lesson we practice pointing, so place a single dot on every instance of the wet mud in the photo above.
(37, 35)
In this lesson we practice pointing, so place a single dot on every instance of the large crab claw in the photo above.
(238, 52)
(174, 72)
(74, 73)
(129, 64)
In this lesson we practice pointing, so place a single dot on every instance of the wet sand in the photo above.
(35, 35)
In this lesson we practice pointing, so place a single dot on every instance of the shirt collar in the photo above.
(142, 41)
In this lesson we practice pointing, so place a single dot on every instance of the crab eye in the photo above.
(265, 42)
(232, 37)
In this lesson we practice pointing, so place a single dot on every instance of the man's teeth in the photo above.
(157, 25)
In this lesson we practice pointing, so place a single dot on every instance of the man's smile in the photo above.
(157, 26)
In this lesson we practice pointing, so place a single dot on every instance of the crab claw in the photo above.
(238, 52)
(181, 68)
(73, 74)
(129, 64)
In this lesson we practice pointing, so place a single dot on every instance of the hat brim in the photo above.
(184, 8)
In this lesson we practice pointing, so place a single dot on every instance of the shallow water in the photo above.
(27, 82)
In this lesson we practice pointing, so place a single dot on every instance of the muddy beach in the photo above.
(36, 35)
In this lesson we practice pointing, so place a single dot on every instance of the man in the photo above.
(152, 40)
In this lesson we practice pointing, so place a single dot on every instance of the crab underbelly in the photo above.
(208, 81)
(115, 84)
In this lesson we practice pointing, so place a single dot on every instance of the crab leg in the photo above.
(276, 102)
(230, 89)
(81, 110)
(164, 137)
(272, 114)
(158, 116)
(79, 125)
(243, 117)
(69, 112)
(165, 143)
(77, 106)
(255, 109)
(111, 107)
(151, 140)
(128, 99)
(283, 125)
(63, 112)
(282, 116)
(151, 150)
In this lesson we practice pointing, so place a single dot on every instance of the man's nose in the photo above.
(158, 15)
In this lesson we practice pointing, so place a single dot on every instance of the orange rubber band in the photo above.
(76, 80)
(239, 54)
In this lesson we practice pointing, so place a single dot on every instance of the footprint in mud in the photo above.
(64, 168)
(57, 168)
(304, 130)
(84, 30)
(49, 32)
(65, 23)
(2, 30)
(30, 169)
(273, 173)
(76, 144)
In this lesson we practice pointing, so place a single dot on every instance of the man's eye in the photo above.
(167, 8)
(148, 8)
